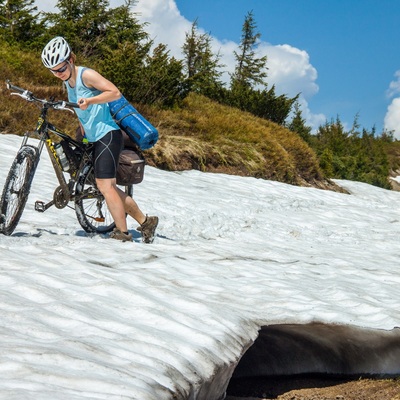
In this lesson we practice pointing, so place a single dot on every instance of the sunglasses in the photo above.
(60, 70)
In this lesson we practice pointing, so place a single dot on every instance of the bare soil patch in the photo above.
(314, 388)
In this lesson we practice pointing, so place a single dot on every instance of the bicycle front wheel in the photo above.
(17, 187)
(90, 206)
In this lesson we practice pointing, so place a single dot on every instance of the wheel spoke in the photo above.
(91, 208)
(17, 188)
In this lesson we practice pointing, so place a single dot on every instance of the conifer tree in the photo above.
(351, 154)
(123, 26)
(201, 66)
(90, 25)
(19, 21)
(162, 78)
(298, 124)
(151, 79)
(249, 70)
(82, 22)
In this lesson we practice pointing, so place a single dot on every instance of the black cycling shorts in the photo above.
(106, 155)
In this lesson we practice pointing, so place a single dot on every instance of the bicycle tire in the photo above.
(90, 206)
(17, 187)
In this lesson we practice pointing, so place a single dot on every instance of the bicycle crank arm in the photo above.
(40, 206)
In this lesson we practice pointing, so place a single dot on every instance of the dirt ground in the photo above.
(314, 388)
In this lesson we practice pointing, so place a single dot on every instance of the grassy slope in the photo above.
(201, 134)
(205, 135)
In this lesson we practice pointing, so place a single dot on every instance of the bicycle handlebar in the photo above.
(28, 96)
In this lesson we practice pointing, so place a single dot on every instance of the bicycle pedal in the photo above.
(40, 206)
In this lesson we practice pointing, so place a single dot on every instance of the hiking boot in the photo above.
(119, 235)
(148, 228)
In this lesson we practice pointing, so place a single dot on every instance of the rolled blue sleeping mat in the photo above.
(141, 131)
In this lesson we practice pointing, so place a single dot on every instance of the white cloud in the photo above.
(50, 5)
(46, 5)
(166, 24)
(392, 118)
(394, 86)
(289, 68)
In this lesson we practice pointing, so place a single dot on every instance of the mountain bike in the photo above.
(72, 161)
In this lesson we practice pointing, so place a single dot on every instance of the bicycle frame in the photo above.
(43, 130)
(90, 206)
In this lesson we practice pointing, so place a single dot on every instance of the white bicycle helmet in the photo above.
(55, 52)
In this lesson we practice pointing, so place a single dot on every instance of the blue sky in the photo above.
(352, 44)
(342, 55)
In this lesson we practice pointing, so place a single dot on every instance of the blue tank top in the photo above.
(96, 119)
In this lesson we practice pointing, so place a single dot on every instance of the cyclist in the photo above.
(93, 92)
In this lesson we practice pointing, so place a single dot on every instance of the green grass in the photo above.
(205, 135)
(200, 134)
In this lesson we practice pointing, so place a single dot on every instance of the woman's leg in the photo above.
(114, 202)
(106, 155)
(131, 207)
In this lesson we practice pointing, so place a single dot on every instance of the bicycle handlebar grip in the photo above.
(12, 87)
(73, 105)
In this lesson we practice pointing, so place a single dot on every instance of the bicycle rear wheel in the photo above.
(90, 206)
(17, 187)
